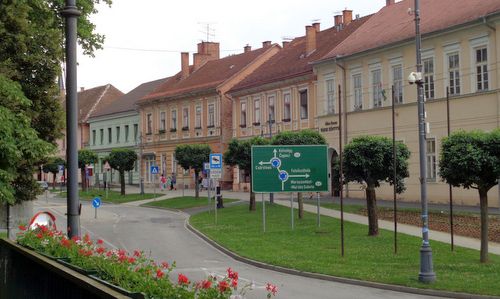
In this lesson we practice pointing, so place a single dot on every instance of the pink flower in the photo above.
(223, 286)
(100, 242)
(122, 252)
(206, 284)
(22, 227)
(137, 253)
(231, 274)
(234, 283)
(131, 260)
(100, 250)
(272, 289)
(182, 279)
(164, 265)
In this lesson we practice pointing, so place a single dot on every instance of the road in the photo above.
(164, 236)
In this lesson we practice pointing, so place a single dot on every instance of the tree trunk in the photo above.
(252, 198)
(84, 187)
(122, 182)
(300, 202)
(196, 187)
(483, 200)
(371, 205)
(54, 180)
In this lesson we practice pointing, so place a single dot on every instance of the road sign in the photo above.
(206, 166)
(216, 173)
(294, 168)
(96, 202)
(60, 167)
(215, 161)
(154, 170)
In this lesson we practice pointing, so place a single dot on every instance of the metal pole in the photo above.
(271, 195)
(215, 207)
(291, 206)
(141, 169)
(394, 173)
(263, 214)
(46, 196)
(154, 185)
(184, 185)
(209, 187)
(95, 216)
(318, 205)
(426, 273)
(71, 13)
(449, 185)
(341, 177)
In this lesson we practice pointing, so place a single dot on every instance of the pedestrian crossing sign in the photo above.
(154, 169)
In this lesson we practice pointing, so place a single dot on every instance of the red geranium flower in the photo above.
(100, 241)
(159, 273)
(206, 284)
(182, 279)
(271, 288)
(234, 283)
(131, 260)
(39, 235)
(22, 227)
(164, 265)
(137, 253)
(100, 250)
(231, 274)
(223, 286)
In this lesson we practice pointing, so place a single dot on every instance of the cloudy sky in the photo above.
(144, 38)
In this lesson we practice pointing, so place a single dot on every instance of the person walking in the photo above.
(169, 183)
(163, 182)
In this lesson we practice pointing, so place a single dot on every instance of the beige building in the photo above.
(460, 51)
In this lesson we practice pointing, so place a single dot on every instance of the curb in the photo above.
(397, 288)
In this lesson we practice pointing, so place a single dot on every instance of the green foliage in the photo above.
(86, 157)
(307, 136)
(52, 165)
(192, 155)
(368, 160)
(471, 159)
(122, 159)
(238, 152)
(20, 147)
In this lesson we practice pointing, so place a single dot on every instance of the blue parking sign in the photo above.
(215, 161)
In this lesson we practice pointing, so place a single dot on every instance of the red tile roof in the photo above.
(393, 24)
(207, 77)
(292, 61)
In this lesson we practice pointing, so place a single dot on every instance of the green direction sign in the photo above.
(293, 168)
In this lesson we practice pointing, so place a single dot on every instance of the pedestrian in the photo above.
(163, 182)
(204, 182)
(169, 183)
(173, 182)
(200, 185)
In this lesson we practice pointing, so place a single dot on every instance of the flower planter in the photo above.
(66, 262)
(135, 295)
(54, 258)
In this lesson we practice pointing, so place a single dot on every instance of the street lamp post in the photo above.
(426, 273)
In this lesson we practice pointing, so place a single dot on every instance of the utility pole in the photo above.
(71, 13)
(426, 274)
(141, 178)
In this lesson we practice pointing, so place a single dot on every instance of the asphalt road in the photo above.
(163, 235)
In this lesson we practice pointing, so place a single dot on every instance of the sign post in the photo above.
(154, 172)
(206, 169)
(96, 203)
(107, 167)
(215, 161)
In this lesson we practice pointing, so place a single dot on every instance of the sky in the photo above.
(144, 38)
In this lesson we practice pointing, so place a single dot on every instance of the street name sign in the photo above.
(289, 168)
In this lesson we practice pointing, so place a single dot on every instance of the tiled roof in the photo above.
(91, 100)
(292, 60)
(394, 24)
(127, 101)
(208, 76)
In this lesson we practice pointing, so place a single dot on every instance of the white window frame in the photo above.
(173, 119)
(455, 88)
(287, 95)
(357, 91)
(198, 112)
(483, 74)
(243, 114)
(118, 129)
(431, 160)
(330, 95)
(271, 112)
(185, 117)
(163, 121)
(397, 82)
(376, 88)
(149, 123)
(428, 78)
(257, 112)
(211, 116)
(301, 115)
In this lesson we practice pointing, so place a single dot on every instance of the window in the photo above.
(377, 88)
(174, 164)
(93, 137)
(454, 73)
(272, 116)
(243, 116)
(185, 118)
(256, 119)
(211, 115)
(482, 69)
(110, 135)
(397, 82)
(330, 96)
(428, 78)
(162, 121)
(198, 117)
(303, 104)
(126, 133)
(117, 134)
(101, 132)
(136, 131)
(173, 125)
(149, 122)
(287, 113)
(431, 159)
(358, 92)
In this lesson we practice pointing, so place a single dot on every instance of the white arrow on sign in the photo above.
(299, 175)
(262, 163)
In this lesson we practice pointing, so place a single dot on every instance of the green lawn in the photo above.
(3, 235)
(113, 196)
(185, 202)
(311, 249)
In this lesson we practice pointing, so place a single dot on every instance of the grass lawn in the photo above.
(311, 249)
(3, 235)
(185, 202)
(113, 196)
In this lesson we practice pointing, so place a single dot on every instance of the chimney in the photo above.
(206, 51)
(82, 88)
(310, 39)
(389, 2)
(338, 21)
(247, 48)
(316, 26)
(347, 16)
(285, 44)
(265, 44)
(184, 65)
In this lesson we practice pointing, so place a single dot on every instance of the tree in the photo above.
(85, 157)
(52, 166)
(238, 154)
(369, 160)
(122, 160)
(20, 146)
(193, 156)
(472, 160)
(304, 137)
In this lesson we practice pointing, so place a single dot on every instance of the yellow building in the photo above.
(460, 51)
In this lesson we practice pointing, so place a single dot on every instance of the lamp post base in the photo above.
(426, 274)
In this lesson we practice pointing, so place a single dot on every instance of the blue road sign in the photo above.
(215, 161)
(61, 167)
(154, 170)
(96, 202)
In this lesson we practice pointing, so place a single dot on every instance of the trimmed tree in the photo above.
(238, 154)
(472, 160)
(52, 166)
(304, 137)
(122, 160)
(85, 157)
(368, 160)
(193, 156)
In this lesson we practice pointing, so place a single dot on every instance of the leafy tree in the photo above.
(193, 156)
(472, 160)
(122, 160)
(368, 160)
(52, 166)
(85, 157)
(20, 146)
(238, 154)
(304, 137)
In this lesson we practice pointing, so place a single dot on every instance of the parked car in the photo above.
(43, 185)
